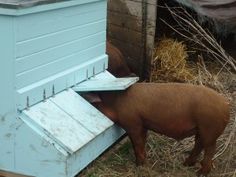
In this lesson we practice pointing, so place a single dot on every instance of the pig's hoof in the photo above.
(138, 164)
(189, 162)
(202, 173)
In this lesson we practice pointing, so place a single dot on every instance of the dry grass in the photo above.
(170, 62)
(201, 39)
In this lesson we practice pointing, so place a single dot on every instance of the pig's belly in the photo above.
(175, 129)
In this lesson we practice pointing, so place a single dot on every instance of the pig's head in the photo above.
(97, 102)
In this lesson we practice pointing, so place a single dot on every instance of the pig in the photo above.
(117, 64)
(172, 109)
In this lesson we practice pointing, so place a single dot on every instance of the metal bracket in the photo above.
(27, 103)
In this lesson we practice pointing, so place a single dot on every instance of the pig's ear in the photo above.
(91, 97)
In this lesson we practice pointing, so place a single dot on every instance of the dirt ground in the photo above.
(165, 156)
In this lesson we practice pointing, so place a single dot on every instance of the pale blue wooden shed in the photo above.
(49, 51)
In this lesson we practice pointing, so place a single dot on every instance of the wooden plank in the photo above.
(124, 20)
(47, 70)
(126, 35)
(30, 26)
(93, 149)
(95, 84)
(59, 82)
(125, 30)
(132, 7)
(45, 160)
(151, 2)
(130, 22)
(81, 111)
(128, 50)
(56, 53)
(58, 125)
(7, 101)
(104, 75)
(59, 38)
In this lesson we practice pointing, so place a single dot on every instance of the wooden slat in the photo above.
(81, 111)
(127, 49)
(132, 7)
(58, 125)
(130, 22)
(59, 82)
(59, 38)
(44, 71)
(56, 53)
(38, 24)
(104, 75)
(105, 84)
(125, 20)
(126, 35)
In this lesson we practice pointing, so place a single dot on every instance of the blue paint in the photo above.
(102, 82)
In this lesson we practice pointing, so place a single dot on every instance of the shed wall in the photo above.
(131, 27)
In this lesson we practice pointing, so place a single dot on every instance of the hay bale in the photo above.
(170, 62)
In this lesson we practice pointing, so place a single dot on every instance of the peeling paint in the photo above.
(3, 119)
(32, 148)
(8, 135)
(45, 143)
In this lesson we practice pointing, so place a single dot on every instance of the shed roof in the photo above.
(18, 4)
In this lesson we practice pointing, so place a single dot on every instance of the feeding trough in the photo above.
(50, 51)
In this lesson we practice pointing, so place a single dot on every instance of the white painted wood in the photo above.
(103, 75)
(104, 84)
(56, 53)
(59, 125)
(7, 99)
(60, 81)
(93, 149)
(43, 158)
(81, 111)
(47, 148)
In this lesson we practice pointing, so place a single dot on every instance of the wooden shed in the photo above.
(131, 27)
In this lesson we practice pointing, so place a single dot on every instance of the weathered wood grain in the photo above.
(125, 30)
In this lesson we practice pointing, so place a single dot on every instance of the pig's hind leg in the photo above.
(192, 159)
(208, 138)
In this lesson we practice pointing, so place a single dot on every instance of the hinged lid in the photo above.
(105, 82)
(67, 119)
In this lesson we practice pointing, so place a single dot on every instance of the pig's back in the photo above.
(176, 108)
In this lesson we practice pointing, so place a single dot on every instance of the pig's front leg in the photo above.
(192, 159)
(138, 138)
